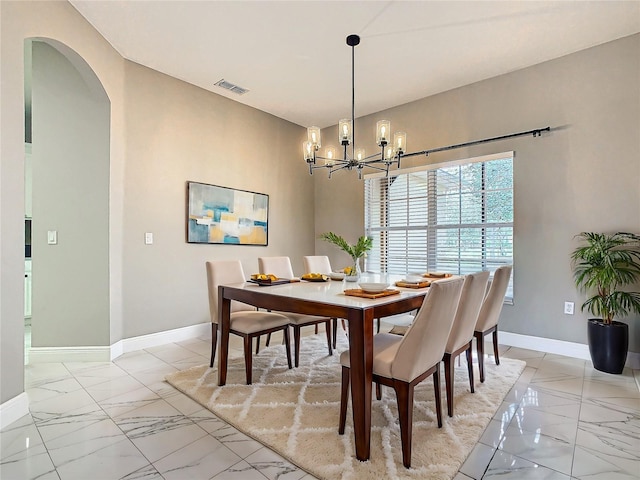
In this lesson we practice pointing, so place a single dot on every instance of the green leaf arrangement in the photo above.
(603, 264)
(362, 246)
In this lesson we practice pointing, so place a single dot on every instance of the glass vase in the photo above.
(355, 272)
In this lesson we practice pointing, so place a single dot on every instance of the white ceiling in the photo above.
(293, 59)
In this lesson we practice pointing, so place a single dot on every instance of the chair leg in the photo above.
(436, 391)
(404, 395)
(449, 375)
(268, 340)
(495, 345)
(378, 391)
(480, 349)
(378, 326)
(316, 328)
(327, 327)
(248, 359)
(470, 367)
(335, 330)
(287, 343)
(296, 344)
(214, 342)
(344, 398)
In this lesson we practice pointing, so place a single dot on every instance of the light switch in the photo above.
(52, 237)
(148, 238)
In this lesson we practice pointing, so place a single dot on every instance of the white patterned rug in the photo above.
(295, 413)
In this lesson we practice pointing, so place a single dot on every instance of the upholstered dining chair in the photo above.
(402, 362)
(490, 313)
(317, 264)
(321, 264)
(281, 268)
(461, 337)
(246, 321)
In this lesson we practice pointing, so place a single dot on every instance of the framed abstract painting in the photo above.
(222, 215)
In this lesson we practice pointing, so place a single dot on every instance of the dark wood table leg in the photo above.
(224, 317)
(361, 358)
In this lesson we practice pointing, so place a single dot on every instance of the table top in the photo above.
(331, 292)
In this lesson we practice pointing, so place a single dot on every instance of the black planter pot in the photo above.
(608, 345)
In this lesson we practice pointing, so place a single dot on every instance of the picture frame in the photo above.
(227, 216)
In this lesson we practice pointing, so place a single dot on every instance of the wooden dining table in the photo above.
(326, 299)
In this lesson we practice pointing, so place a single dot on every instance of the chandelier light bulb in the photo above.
(307, 149)
(344, 132)
(313, 136)
(383, 128)
(389, 153)
(330, 155)
(400, 142)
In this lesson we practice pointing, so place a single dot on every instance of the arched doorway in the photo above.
(70, 133)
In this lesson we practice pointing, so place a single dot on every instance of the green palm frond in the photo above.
(362, 246)
(603, 264)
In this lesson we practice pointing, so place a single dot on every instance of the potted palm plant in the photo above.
(602, 265)
(356, 251)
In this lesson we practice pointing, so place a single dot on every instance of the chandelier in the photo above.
(390, 151)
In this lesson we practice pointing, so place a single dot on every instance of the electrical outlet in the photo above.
(148, 238)
(568, 308)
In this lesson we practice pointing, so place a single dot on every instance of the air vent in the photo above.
(230, 86)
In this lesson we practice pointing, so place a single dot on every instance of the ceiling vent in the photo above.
(230, 86)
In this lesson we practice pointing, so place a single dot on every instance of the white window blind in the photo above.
(454, 217)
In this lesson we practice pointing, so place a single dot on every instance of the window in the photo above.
(453, 217)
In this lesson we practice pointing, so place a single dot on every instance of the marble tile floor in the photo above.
(120, 420)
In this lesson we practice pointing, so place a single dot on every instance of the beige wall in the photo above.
(175, 133)
(583, 176)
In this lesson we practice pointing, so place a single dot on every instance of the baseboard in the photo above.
(13, 409)
(559, 347)
(160, 338)
(107, 354)
(17, 407)
(68, 354)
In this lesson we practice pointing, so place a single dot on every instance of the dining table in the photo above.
(327, 299)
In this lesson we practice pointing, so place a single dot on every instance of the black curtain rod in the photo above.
(536, 133)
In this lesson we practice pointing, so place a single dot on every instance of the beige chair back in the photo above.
(278, 266)
(473, 290)
(224, 272)
(317, 264)
(423, 344)
(492, 305)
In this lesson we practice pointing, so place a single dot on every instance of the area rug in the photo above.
(295, 413)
